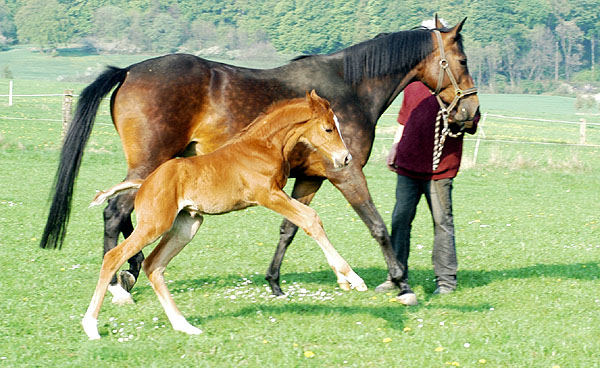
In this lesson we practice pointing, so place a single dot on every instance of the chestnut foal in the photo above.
(250, 170)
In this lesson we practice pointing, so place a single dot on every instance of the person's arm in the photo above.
(392, 155)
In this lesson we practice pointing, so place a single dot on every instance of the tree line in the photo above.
(513, 45)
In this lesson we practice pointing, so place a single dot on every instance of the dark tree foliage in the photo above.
(508, 42)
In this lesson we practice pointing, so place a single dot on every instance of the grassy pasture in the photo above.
(527, 225)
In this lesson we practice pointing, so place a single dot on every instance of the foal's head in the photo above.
(322, 132)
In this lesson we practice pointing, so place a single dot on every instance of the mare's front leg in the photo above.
(304, 191)
(307, 219)
(353, 185)
(117, 219)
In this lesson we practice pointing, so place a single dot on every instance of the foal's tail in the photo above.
(72, 152)
(125, 186)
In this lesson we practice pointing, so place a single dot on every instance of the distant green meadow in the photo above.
(526, 216)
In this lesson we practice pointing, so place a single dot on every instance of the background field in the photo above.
(527, 224)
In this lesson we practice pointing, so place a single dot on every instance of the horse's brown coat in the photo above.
(251, 169)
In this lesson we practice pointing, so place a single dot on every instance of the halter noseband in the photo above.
(440, 137)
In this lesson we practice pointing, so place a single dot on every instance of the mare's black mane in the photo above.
(387, 53)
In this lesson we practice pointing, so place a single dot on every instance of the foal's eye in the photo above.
(328, 130)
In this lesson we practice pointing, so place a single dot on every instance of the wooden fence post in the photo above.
(582, 128)
(66, 111)
(10, 92)
(479, 133)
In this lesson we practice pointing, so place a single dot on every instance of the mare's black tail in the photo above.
(72, 152)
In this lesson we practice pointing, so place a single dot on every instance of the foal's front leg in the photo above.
(307, 219)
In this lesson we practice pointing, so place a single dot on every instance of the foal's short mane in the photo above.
(262, 120)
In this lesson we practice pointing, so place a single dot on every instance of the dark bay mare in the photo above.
(176, 104)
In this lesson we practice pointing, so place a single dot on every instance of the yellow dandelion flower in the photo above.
(482, 361)
(439, 348)
(309, 354)
(406, 329)
(265, 342)
(556, 366)
(455, 364)
(387, 339)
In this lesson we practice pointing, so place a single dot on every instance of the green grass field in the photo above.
(527, 220)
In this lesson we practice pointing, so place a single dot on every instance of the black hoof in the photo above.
(275, 288)
(126, 280)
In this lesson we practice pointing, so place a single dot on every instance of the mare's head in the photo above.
(322, 132)
(445, 72)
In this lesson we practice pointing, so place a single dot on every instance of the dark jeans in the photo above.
(439, 198)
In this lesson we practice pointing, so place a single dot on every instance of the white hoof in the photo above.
(356, 282)
(181, 324)
(360, 287)
(90, 326)
(344, 285)
(120, 295)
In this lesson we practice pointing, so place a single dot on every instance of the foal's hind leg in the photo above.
(112, 261)
(183, 230)
(304, 191)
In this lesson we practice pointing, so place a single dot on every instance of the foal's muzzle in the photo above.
(341, 159)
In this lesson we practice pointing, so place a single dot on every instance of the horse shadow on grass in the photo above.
(393, 313)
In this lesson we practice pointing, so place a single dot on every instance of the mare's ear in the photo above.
(456, 30)
(438, 24)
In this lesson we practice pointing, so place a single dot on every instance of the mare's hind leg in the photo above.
(117, 215)
(184, 228)
(117, 219)
(304, 191)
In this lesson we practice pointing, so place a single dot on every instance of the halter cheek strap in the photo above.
(440, 136)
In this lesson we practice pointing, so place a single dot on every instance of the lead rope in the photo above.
(440, 137)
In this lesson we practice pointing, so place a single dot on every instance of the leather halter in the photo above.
(440, 136)
(444, 68)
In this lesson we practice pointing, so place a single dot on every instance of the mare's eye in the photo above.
(463, 62)
(329, 130)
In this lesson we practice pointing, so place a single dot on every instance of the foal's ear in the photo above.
(310, 100)
(314, 101)
(319, 100)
